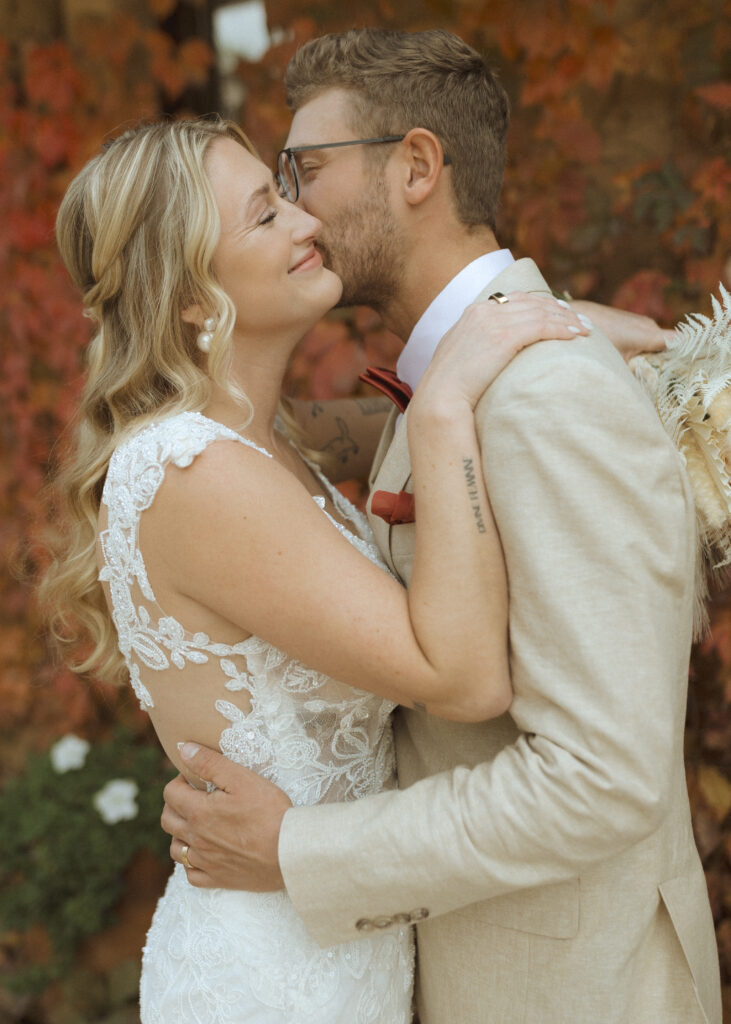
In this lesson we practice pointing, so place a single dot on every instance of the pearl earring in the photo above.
(205, 337)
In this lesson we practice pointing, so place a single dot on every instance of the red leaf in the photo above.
(336, 375)
(52, 79)
(644, 292)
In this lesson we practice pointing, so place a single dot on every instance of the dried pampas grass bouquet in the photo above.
(690, 387)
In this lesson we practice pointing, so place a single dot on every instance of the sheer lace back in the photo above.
(315, 737)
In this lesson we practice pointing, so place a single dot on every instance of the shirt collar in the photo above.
(444, 312)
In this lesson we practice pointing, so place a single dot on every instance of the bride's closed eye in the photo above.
(271, 214)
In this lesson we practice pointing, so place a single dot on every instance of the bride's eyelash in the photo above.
(269, 217)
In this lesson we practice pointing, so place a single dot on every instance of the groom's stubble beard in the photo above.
(362, 244)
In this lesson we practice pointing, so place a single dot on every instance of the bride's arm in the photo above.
(630, 333)
(265, 558)
(346, 431)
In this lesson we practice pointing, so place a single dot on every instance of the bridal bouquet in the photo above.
(690, 386)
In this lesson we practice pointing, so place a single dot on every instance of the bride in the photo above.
(212, 562)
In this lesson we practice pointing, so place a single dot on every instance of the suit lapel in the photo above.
(391, 472)
(384, 444)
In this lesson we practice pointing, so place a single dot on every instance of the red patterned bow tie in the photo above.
(394, 508)
(389, 384)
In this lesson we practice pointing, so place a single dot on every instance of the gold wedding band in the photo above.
(184, 857)
(497, 297)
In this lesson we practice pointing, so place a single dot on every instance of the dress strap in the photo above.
(206, 430)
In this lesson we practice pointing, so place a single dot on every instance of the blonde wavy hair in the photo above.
(137, 229)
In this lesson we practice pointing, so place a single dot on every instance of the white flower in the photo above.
(68, 753)
(116, 801)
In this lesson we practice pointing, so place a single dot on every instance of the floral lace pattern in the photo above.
(223, 957)
(219, 956)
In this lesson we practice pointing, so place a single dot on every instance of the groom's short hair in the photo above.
(404, 80)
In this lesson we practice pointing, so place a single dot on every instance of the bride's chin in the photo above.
(336, 285)
(331, 292)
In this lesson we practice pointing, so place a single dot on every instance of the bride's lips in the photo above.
(311, 260)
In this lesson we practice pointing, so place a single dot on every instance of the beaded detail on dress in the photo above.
(219, 956)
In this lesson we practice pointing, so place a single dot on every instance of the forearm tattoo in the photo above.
(342, 446)
(473, 493)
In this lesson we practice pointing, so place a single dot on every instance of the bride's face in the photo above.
(265, 259)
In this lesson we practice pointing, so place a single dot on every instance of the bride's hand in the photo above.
(485, 339)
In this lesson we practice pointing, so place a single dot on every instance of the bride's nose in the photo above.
(306, 227)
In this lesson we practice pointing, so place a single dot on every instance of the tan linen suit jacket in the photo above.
(552, 847)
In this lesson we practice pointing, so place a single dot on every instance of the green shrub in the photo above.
(69, 826)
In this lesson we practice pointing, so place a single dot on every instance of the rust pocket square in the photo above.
(394, 508)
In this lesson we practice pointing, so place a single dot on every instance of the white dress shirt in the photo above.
(444, 312)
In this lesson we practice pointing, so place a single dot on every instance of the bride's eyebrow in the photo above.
(263, 190)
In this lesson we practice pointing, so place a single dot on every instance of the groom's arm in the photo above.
(596, 523)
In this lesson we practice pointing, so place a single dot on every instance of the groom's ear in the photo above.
(423, 165)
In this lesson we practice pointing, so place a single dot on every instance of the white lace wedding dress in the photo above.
(223, 957)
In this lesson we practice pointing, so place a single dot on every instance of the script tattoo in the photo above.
(316, 409)
(418, 706)
(472, 492)
(342, 445)
(373, 406)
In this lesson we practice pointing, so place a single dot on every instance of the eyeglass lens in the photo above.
(287, 177)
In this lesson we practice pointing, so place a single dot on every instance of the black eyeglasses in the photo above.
(287, 179)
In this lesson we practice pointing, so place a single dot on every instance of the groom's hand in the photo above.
(230, 836)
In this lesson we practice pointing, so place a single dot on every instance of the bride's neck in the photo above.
(259, 375)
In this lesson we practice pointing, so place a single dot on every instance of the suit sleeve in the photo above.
(596, 522)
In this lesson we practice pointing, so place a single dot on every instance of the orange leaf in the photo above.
(716, 790)
(196, 57)
(353, 491)
(717, 94)
(162, 8)
(713, 181)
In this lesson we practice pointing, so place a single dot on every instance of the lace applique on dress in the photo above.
(224, 956)
(135, 473)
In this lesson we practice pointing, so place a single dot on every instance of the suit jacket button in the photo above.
(419, 914)
(383, 922)
(364, 925)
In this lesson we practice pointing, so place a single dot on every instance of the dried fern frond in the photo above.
(690, 386)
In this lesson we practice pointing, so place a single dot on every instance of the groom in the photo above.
(547, 856)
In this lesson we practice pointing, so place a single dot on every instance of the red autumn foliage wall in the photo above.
(617, 184)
